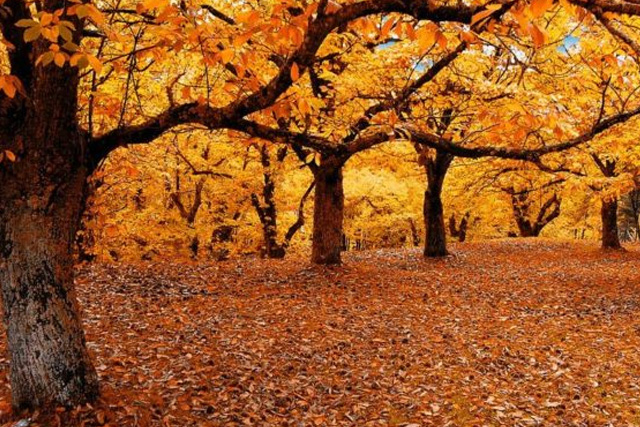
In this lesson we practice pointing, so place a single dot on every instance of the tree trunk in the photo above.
(41, 202)
(435, 231)
(415, 236)
(328, 213)
(267, 210)
(525, 228)
(459, 232)
(436, 236)
(609, 215)
(521, 211)
(49, 360)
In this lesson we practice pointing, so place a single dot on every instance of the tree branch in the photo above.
(414, 134)
(617, 33)
(300, 221)
(303, 57)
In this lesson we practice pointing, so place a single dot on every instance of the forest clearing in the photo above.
(388, 339)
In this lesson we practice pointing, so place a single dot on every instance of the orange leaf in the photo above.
(539, 7)
(295, 72)
(538, 36)
(226, 56)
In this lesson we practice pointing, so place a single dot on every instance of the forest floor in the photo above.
(513, 332)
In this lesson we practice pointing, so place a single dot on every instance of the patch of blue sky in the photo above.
(569, 43)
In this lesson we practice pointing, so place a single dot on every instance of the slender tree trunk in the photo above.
(459, 231)
(271, 249)
(609, 215)
(41, 202)
(415, 236)
(267, 209)
(328, 213)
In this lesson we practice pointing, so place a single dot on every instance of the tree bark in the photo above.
(460, 232)
(328, 213)
(521, 207)
(609, 216)
(522, 214)
(39, 219)
(41, 202)
(268, 212)
(436, 236)
(435, 231)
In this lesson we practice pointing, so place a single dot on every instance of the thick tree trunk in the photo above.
(435, 232)
(525, 228)
(609, 215)
(436, 236)
(521, 212)
(49, 361)
(328, 213)
(41, 203)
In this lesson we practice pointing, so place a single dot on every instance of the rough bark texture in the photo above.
(40, 207)
(436, 236)
(609, 215)
(268, 211)
(328, 213)
(609, 209)
(435, 231)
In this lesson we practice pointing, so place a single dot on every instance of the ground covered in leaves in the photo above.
(511, 332)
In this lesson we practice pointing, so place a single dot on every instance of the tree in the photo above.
(45, 189)
(330, 154)
(79, 75)
(529, 223)
(630, 214)
(267, 208)
(459, 231)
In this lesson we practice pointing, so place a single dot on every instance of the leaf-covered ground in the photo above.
(504, 333)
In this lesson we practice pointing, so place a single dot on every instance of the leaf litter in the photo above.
(511, 332)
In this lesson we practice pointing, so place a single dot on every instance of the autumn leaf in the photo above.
(226, 55)
(484, 14)
(539, 7)
(32, 33)
(295, 72)
(427, 36)
(538, 36)
(10, 156)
